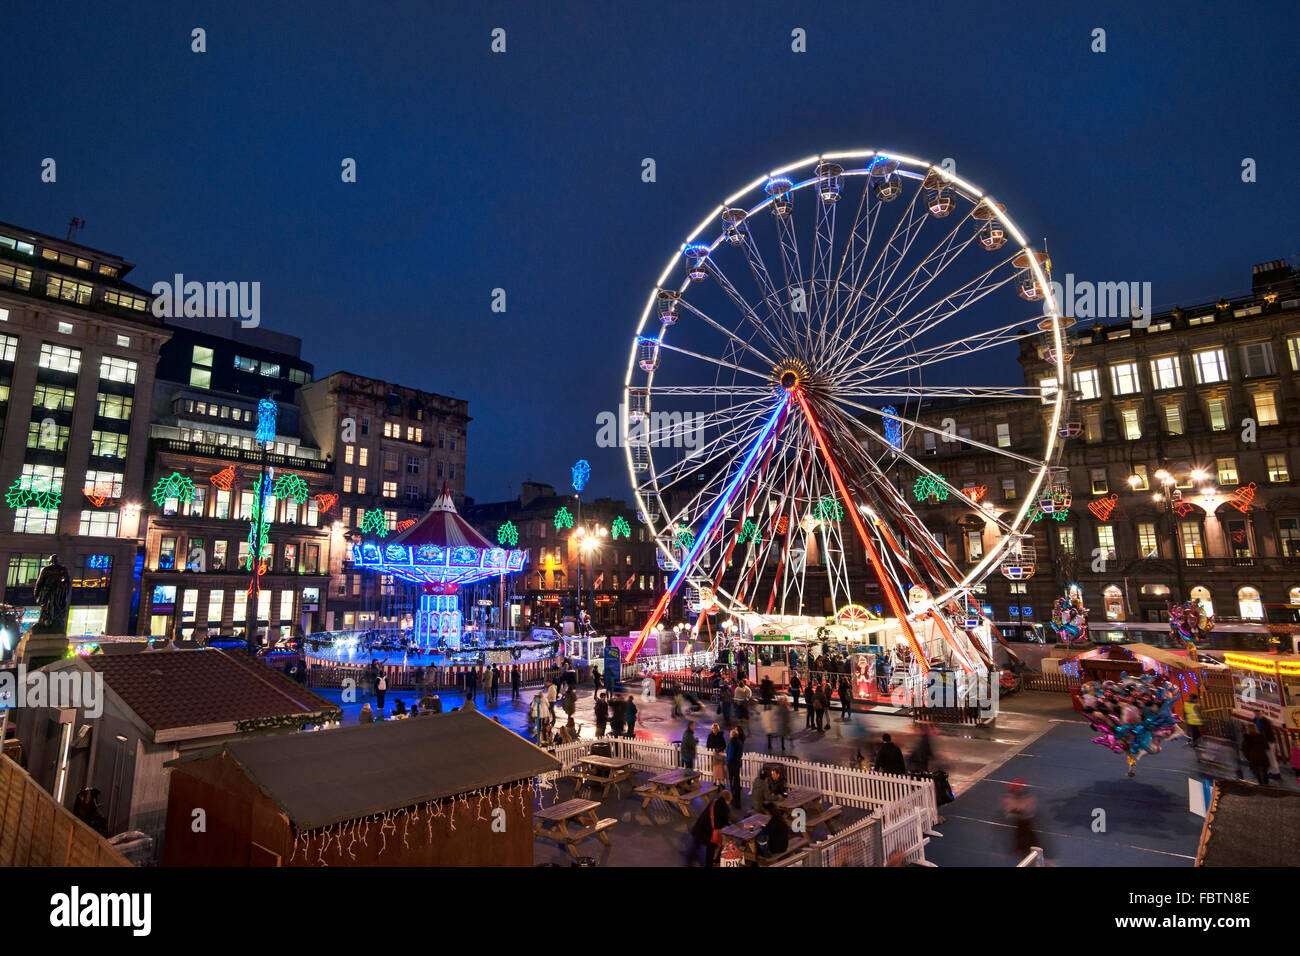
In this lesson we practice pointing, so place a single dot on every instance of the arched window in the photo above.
(1203, 595)
(1252, 609)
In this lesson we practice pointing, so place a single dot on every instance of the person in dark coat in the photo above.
(777, 830)
(795, 687)
(766, 691)
(821, 702)
(630, 715)
(471, 684)
(810, 697)
(602, 714)
(716, 816)
(846, 699)
(496, 683)
(716, 741)
(735, 755)
(1255, 749)
(515, 679)
(889, 759)
(689, 745)
(618, 715)
(595, 678)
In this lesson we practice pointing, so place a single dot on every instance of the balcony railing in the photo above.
(248, 455)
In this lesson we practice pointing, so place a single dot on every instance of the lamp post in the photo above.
(1168, 484)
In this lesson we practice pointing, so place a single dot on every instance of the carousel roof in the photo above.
(440, 548)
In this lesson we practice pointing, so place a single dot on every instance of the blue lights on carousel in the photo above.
(434, 564)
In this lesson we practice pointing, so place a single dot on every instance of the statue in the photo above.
(52, 587)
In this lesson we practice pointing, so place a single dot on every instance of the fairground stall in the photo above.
(1266, 685)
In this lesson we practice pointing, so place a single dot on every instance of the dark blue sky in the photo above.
(522, 170)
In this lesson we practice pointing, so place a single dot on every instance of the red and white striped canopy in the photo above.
(443, 527)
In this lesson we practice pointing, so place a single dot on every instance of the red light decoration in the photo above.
(224, 478)
(404, 524)
(782, 524)
(1183, 508)
(1242, 497)
(975, 492)
(326, 503)
(1103, 507)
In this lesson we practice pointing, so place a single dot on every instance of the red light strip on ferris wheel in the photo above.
(706, 532)
(886, 583)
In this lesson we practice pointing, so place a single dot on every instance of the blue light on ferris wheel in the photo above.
(581, 472)
(266, 412)
(893, 427)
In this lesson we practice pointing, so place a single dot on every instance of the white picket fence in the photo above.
(662, 663)
(902, 809)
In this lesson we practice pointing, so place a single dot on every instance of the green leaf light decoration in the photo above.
(291, 486)
(563, 519)
(176, 486)
(260, 526)
(930, 486)
(687, 538)
(828, 509)
(374, 522)
(1059, 515)
(33, 492)
(508, 534)
(749, 530)
(619, 528)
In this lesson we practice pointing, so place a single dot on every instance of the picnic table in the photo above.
(678, 787)
(746, 832)
(582, 813)
(596, 771)
(810, 802)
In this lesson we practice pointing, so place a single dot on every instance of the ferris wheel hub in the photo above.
(790, 374)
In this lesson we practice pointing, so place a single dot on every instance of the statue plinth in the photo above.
(38, 648)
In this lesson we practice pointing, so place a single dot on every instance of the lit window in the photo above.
(1277, 467)
(363, 456)
(1008, 489)
(69, 290)
(1129, 418)
(202, 355)
(361, 486)
(18, 278)
(60, 358)
(1218, 414)
(1226, 469)
(1210, 366)
(1106, 540)
(1100, 485)
(1087, 384)
(1166, 372)
(1065, 537)
(1174, 419)
(116, 369)
(124, 341)
(390, 489)
(347, 484)
(349, 452)
(974, 545)
(1124, 379)
(1147, 540)
(8, 344)
(1004, 435)
(1191, 539)
(1293, 350)
(1257, 359)
(114, 406)
(1265, 408)
(1142, 483)
(98, 524)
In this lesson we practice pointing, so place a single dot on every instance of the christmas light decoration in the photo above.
(1242, 497)
(563, 519)
(374, 522)
(292, 486)
(618, 529)
(975, 492)
(828, 509)
(687, 538)
(749, 530)
(782, 524)
(893, 427)
(30, 491)
(404, 524)
(1182, 508)
(224, 478)
(1103, 507)
(259, 529)
(326, 503)
(266, 415)
(581, 472)
(930, 486)
(508, 534)
(176, 486)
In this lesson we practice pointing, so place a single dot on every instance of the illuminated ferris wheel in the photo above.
(779, 368)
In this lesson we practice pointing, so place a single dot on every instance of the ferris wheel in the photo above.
(779, 373)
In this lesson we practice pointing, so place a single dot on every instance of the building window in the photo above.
(412, 465)
(974, 545)
(167, 553)
(1065, 537)
(36, 521)
(1238, 535)
(69, 290)
(1210, 366)
(1142, 483)
(18, 278)
(117, 407)
(1288, 537)
(116, 369)
(8, 346)
(1124, 379)
(107, 444)
(1191, 540)
(215, 600)
(1226, 469)
(1249, 604)
(1173, 418)
(365, 426)
(1129, 419)
(361, 486)
(390, 461)
(349, 452)
(1004, 434)
(60, 358)
(1106, 540)
(1293, 350)
(1008, 489)
(105, 483)
(1087, 384)
(1166, 372)
(414, 434)
(1148, 543)
(1257, 359)
(1100, 485)
(1276, 465)
(47, 435)
(1092, 425)
(219, 555)
(363, 456)
(347, 484)
(1265, 408)
(98, 524)
(1218, 414)
(390, 489)
(392, 430)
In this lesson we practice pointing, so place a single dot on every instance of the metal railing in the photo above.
(1036, 857)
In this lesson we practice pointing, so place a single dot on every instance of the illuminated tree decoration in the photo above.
(374, 522)
(893, 427)
(259, 529)
(828, 509)
(508, 534)
(292, 486)
(176, 486)
(33, 492)
(581, 472)
(563, 519)
(687, 538)
(930, 486)
(266, 413)
(619, 528)
(749, 530)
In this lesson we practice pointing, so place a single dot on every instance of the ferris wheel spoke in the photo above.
(767, 288)
(712, 391)
(820, 308)
(937, 354)
(663, 345)
(741, 303)
(939, 391)
(736, 339)
(724, 444)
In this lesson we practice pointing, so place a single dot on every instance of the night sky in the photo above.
(522, 171)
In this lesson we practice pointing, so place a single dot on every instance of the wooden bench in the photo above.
(574, 837)
(796, 844)
(681, 798)
(830, 813)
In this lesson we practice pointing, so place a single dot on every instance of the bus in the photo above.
(1224, 637)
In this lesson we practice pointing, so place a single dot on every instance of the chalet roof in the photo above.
(346, 773)
(1239, 815)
